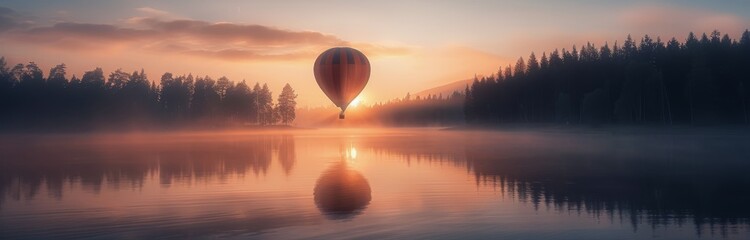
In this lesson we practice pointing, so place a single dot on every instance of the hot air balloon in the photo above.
(342, 73)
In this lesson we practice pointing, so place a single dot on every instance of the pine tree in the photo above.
(533, 65)
(265, 105)
(520, 69)
(286, 105)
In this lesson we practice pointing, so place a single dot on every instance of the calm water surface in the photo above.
(375, 184)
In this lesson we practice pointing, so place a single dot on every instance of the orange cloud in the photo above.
(224, 41)
(237, 54)
(237, 33)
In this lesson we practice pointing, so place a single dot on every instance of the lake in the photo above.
(376, 184)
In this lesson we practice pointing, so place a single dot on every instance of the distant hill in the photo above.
(446, 89)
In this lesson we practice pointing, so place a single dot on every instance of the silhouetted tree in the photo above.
(287, 104)
(116, 81)
(206, 98)
(265, 105)
(92, 96)
(241, 103)
(7, 93)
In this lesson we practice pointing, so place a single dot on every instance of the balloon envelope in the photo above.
(342, 73)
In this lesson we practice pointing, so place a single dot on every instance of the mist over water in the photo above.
(376, 183)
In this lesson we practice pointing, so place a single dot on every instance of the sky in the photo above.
(412, 45)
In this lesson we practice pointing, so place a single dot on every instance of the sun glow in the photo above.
(356, 102)
(350, 154)
(353, 153)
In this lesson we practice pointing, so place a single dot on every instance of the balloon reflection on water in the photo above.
(342, 192)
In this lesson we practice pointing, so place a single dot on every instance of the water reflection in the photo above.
(659, 180)
(127, 164)
(342, 192)
(253, 184)
(287, 153)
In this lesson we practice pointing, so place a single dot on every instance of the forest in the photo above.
(431, 110)
(701, 81)
(123, 100)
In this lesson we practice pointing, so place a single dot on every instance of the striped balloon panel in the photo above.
(342, 73)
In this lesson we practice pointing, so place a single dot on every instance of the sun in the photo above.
(356, 102)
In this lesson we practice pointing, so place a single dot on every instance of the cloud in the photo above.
(237, 54)
(153, 11)
(10, 19)
(149, 12)
(79, 36)
(238, 33)
(226, 41)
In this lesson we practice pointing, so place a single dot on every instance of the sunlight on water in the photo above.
(363, 183)
(352, 153)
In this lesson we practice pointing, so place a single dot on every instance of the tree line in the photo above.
(703, 80)
(123, 99)
(428, 110)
